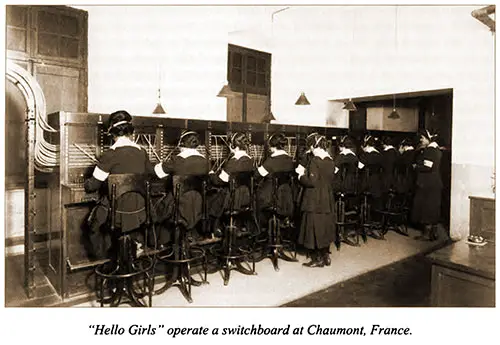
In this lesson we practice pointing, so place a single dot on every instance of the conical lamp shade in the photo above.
(224, 92)
(159, 109)
(349, 105)
(302, 100)
(268, 118)
(394, 114)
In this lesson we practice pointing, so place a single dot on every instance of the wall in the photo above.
(134, 49)
(342, 52)
(328, 52)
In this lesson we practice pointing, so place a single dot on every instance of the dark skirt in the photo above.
(284, 199)
(219, 201)
(317, 230)
(190, 209)
(97, 237)
(426, 208)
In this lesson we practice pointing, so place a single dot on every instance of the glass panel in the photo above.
(48, 22)
(48, 44)
(261, 80)
(251, 63)
(69, 26)
(251, 78)
(16, 16)
(236, 76)
(237, 58)
(16, 39)
(261, 66)
(69, 47)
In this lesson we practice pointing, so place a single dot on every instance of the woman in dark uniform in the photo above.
(348, 161)
(317, 229)
(370, 165)
(187, 169)
(278, 162)
(389, 158)
(124, 157)
(404, 171)
(426, 208)
(238, 162)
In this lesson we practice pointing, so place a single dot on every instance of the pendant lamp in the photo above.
(159, 109)
(302, 100)
(350, 106)
(268, 117)
(394, 114)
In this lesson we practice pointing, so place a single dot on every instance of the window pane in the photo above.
(69, 47)
(261, 66)
(261, 80)
(16, 16)
(251, 78)
(48, 44)
(237, 60)
(236, 76)
(48, 22)
(251, 63)
(69, 26)
(16, 39)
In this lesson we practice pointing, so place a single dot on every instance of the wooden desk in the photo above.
(463, 276)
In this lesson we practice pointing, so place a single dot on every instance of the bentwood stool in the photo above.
(369, 226)
(275, 246)
(127, 276)
(237, 248)
(346, 206)
(395, 213)
(181, 254)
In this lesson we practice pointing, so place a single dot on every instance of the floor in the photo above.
(386, 273)
(389, 273)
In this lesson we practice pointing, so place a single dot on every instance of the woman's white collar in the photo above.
(318, 152)
(279, 153)
(347, 152)
(123, 142)
(238, 154)
(189, 152)
(370, 149)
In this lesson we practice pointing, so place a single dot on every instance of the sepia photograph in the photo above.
(250, 156)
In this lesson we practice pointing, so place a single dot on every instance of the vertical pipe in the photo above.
(29, 205)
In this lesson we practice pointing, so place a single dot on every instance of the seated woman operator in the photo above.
(187, 170)
(238, 162)
(124, 157)
(278, 162)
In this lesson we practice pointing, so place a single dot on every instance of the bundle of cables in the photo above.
(46, 154)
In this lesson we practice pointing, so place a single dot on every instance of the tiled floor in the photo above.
(293, 282)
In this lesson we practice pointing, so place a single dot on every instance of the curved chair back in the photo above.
(129, 196)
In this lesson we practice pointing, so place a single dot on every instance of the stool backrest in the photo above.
(348, 177)
(122, 185)
(236, 180)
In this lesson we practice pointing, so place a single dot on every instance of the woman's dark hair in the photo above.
(311, 139)
(316, 140)
(348, 143)
(189, 139)
(119, 123)
(370, 140)
(388, 140)
(408, 142)
(277, 140)
(240, 140)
